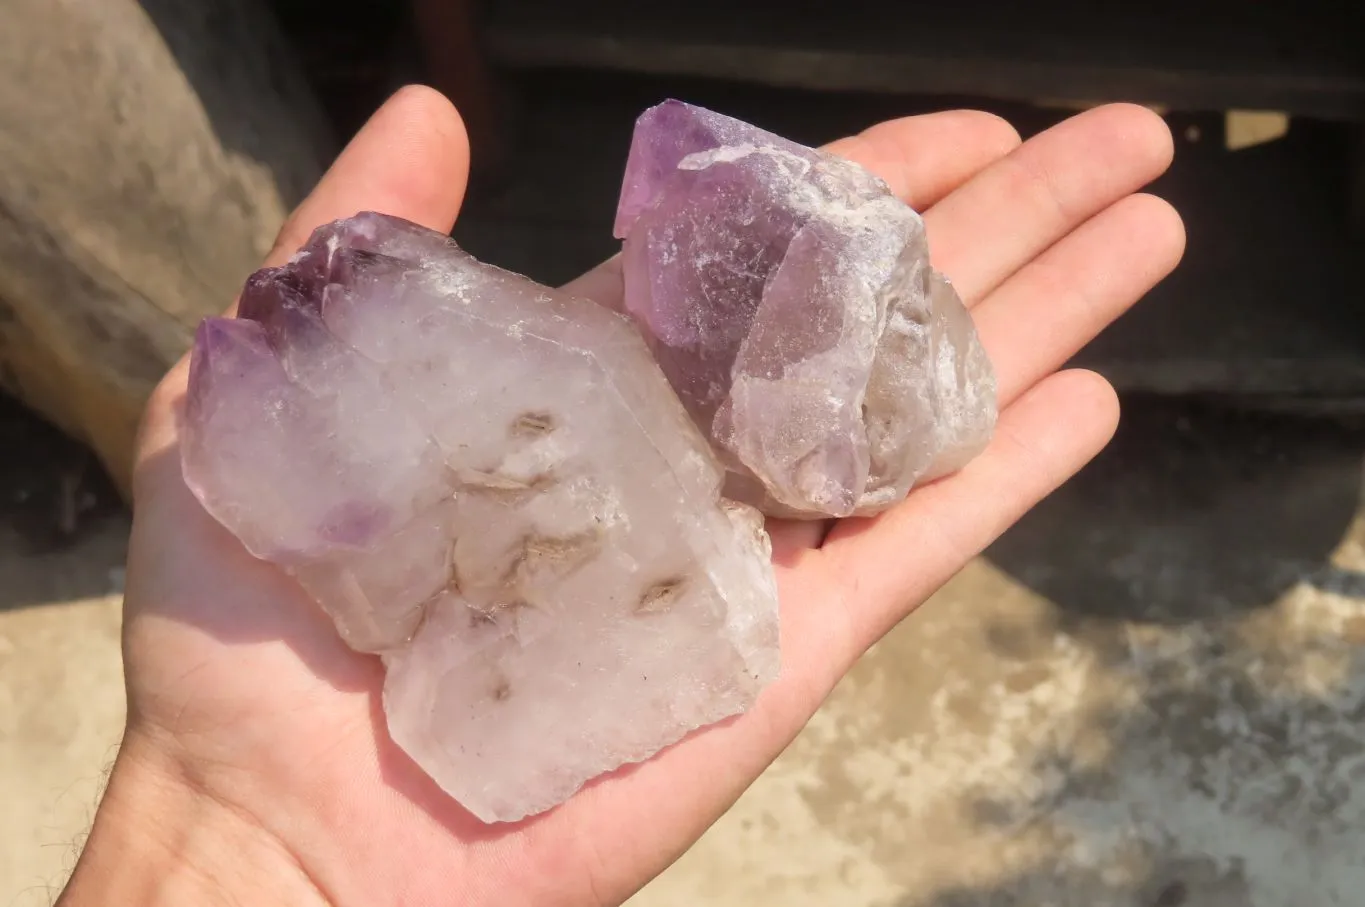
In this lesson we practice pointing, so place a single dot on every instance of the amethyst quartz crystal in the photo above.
(490, 484)
(787, 294)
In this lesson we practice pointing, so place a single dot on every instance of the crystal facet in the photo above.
(787, 294)
(491, 484)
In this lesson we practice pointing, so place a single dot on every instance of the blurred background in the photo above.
(1150, 693)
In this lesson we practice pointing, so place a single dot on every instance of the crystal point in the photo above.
(788, 297)
(490, 484)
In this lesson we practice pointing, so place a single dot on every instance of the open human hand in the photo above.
(256, 767)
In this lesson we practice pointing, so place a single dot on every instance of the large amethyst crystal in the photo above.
(490, 484)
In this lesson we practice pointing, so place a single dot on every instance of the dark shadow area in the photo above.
(1195, 511)
(1207, 54)
(54, 496)
(1196, 883)
(251, 83)
(1266, 300)
(351, 53)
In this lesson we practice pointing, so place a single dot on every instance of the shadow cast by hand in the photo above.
(1194, 512)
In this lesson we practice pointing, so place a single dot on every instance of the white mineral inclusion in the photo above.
(491, 484)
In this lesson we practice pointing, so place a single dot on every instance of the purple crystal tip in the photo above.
(665, 134)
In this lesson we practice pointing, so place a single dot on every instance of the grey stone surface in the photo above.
(149, 151)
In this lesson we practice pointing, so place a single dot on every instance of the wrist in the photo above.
(157, 840)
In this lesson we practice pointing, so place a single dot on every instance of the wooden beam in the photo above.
(1299, 59)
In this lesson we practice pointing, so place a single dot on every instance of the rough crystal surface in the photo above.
(491, 484)
(787, 295)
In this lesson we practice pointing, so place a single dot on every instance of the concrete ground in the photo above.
(1150, 694)
(62, 544)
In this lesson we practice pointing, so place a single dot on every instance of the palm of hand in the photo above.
(241, 685)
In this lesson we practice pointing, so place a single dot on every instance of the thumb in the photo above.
(410, 160)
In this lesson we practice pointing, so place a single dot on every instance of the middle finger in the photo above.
(1013, 210)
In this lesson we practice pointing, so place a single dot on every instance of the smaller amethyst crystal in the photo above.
(787, 295)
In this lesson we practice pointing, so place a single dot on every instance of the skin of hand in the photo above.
(255, 766)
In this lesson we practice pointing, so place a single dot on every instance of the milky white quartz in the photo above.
(492, 485)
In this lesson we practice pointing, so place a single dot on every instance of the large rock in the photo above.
(148, 154)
